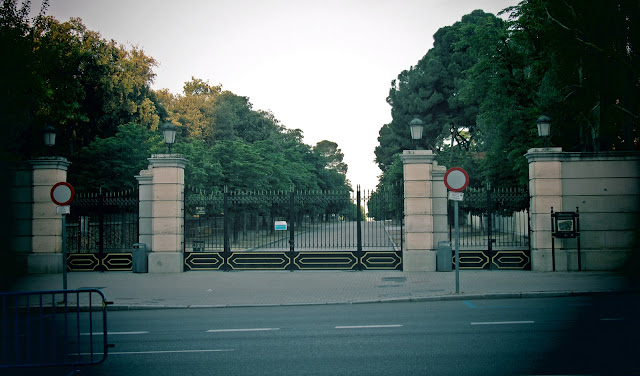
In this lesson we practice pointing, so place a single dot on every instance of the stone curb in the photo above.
(452, 297)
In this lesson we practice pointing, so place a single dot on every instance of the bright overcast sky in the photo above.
(324, 66)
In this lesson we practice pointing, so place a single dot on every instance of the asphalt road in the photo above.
(576, 335)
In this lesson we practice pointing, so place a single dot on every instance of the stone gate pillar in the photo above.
(161, 212)
(46, 228)
(20, 219)
(425, 209)
(545, 188)
(145, 205)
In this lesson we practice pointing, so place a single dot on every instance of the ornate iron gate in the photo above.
(280, 230)
(494, 229)
(101, 231)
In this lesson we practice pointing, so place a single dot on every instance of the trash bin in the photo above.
(139, 258)
(443, 257)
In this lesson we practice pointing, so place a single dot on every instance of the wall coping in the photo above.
(50, 163)
(418, 156)
(146, 176)
(557, 155)
(438, 170)
(168, 160)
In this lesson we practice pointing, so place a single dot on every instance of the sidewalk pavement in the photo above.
(199, 289)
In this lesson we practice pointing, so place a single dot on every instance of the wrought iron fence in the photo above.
(499, 217)
(103, 222)
(494, 229)
(295, 220)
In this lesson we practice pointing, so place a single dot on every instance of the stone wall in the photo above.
(605, 187)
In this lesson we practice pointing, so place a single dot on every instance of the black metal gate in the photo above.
(494, 229)
(292, 230)
(101, 231)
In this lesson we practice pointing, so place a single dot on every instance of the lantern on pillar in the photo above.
(417, 127)
(169, 133)
(544, 128)
(49, 136)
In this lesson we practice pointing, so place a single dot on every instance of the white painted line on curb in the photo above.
(242, 330)
(114, 333)
(158, 352)
(367, 326)
(502, 322)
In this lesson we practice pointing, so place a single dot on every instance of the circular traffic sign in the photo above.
(456, 179)
(62, 193)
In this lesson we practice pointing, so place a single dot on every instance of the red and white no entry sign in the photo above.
(62, 193)
(456, 179)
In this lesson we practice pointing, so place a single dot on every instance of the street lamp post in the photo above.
(169, 133)
(544, 128)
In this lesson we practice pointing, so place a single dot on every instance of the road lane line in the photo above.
(242, 330)
(502, 322)
(367, 326)
(114, 333)
(157, 352)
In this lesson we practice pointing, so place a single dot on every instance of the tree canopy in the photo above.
(97, 94)
(486, 80)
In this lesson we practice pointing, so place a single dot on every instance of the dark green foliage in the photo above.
(585, 60)
(484, 83)
(384, 202)
(97, 95)
(21, 88)
(67, 76)
(111, 163)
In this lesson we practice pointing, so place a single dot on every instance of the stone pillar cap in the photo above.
(168, 160)
(52, 163)
(418, 156)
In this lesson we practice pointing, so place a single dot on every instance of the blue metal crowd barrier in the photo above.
(53, 328)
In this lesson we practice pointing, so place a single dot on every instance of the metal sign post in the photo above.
(456, 180)
(64, 251)
(62, 194)
(457, 244)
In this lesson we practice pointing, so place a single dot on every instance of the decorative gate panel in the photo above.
(101, 231)
(312, 230)
(494, 229)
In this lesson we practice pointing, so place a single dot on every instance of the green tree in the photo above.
(584, 55)
(111, 163)
(502, 86)
(97, 94)
(333, 155)
(62, 74)
(93, 85)
(21, 87)
(390, 185)
(202, 171)
(432, 90)
(193, 109)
